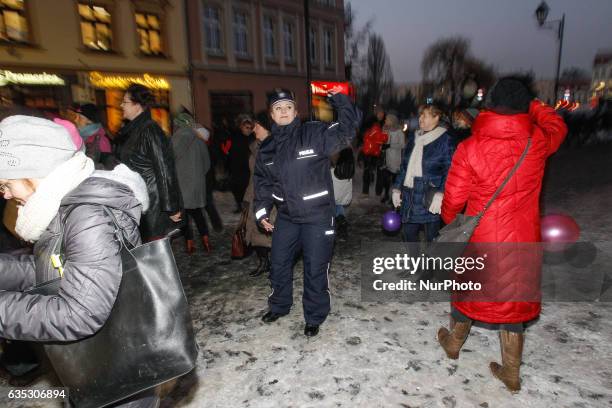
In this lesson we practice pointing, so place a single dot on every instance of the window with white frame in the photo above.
(269, 40)
(328, 47)
(212, 29)
(289, 41)
(241, 33)
(313, 40)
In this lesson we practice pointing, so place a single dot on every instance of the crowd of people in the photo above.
(293, 181)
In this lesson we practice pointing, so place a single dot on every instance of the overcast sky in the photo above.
(502, 32)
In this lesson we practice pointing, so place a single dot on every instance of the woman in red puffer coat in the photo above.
(479, 166)
(373, 140)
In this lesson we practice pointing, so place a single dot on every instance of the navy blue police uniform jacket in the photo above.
(292, 168)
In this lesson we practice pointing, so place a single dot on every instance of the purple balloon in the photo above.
(559, 231)
(391, 221)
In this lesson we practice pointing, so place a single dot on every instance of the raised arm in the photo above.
(550, 122)
(340, 134)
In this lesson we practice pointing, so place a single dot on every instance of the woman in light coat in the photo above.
(192, 163)
(393, 152)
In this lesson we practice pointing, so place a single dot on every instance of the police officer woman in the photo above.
(292, 173)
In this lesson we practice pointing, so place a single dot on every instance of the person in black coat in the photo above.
(238, 158)
(145, 148)
(292, 172)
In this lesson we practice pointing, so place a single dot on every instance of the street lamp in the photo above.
(541, 13)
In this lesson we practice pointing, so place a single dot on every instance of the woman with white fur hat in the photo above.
(61, 201)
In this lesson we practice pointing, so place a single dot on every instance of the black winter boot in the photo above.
(342, 227)
(263, 266)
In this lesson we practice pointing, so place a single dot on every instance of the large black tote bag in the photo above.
(147, 339)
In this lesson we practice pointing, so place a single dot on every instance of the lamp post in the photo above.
(541, 13)
(308, 63)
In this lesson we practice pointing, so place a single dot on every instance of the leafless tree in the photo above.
(444, 63)
(354, 40)
(483, 73)
(574, 75)
(448, 63)
(377, 85)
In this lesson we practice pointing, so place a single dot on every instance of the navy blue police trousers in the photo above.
(316, 240)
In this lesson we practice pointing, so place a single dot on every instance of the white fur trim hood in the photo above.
(123, 175)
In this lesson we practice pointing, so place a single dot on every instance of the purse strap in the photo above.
(118, 230)
(243, 219)
(508, 177)
(60, 247)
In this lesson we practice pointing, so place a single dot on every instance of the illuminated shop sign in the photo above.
(9, 77)
(100, 80)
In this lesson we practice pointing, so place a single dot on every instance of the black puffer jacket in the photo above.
(92, 264)
(145, 149)
(292, 166)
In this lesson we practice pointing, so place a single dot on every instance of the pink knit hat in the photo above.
(74, 133)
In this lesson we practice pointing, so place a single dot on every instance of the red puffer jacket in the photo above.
(373, 140)
(479, 166)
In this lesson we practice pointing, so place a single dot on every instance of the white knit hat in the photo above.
(32, 147)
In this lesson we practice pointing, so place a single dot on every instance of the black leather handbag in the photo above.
(148, 338)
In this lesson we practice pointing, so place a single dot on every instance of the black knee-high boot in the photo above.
(263, 266)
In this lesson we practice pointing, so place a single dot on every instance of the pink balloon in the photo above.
(391, 221)
(559, 231)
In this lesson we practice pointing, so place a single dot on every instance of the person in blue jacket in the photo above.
(419, 187)
(292, 172)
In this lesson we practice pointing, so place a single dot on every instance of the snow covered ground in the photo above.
(386, 354)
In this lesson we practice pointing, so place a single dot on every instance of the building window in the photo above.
(289, 41)
(313, 45)
(13, 22)
(96, 27)
(212, 29)
(241, 33)
(327, 3)
(328, 47)
(149, 32)
(269, 42)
